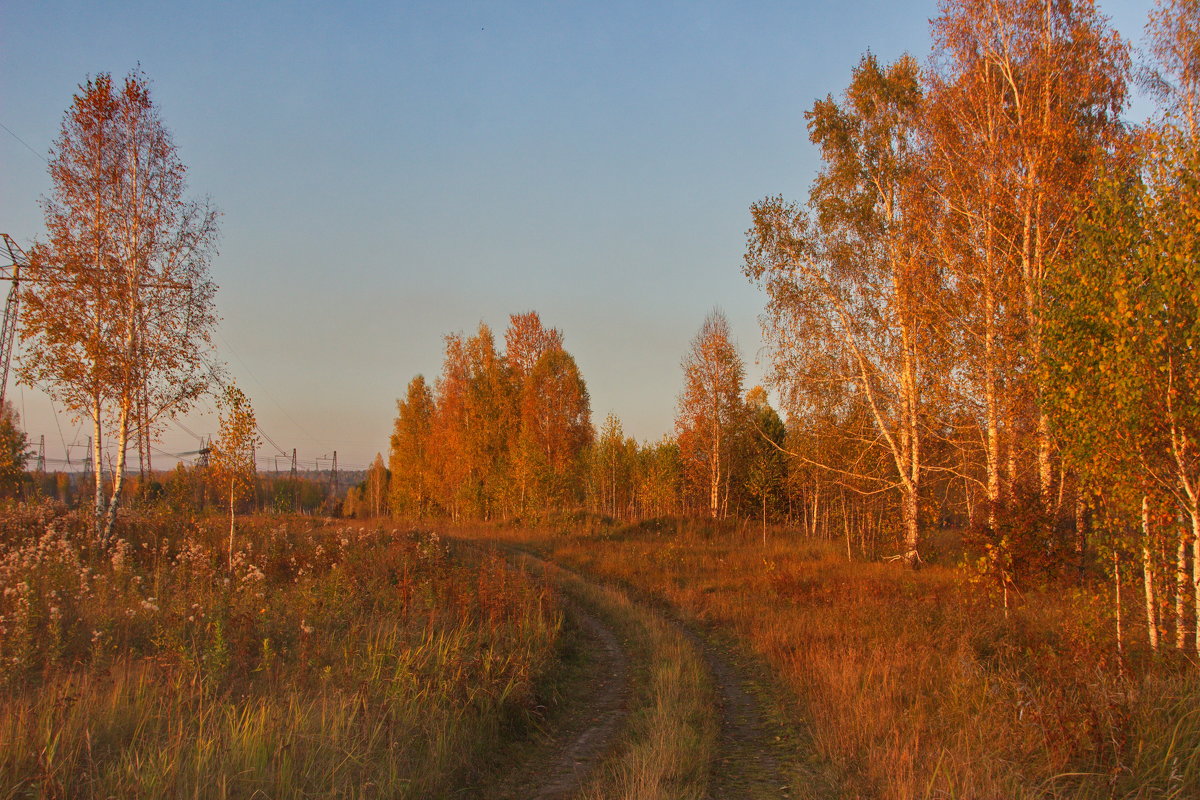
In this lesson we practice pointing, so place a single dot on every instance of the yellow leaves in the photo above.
(232, 456)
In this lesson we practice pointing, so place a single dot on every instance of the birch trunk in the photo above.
(1117, 586)
(1080, 533)
(992, 402)
(231, 521)
(114, 499)
(1148, 577)
(1181, 581)
(764, 521)
(714, 488)
(1195, 513)
(97, 464)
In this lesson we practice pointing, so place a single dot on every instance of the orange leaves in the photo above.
(526, 341)
(503, 433)
(710, 410)
(119, 307)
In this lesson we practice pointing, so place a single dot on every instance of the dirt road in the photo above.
(756, 754)
(579, 738)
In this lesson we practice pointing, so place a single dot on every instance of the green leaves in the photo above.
(1120, 370)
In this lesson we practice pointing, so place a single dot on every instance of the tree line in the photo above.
(983, 318)
(985, 313)
(508, 434)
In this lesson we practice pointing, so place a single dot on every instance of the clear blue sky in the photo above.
(389, 173)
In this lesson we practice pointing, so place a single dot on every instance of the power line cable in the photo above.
(186, 429)
(58, 424)
(216, 377)
(267, 391)
(187, 461)
(22, 141)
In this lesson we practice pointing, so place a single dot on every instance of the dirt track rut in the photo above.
(754, 751)
(584, 734)
(756, 754)
(587, 737)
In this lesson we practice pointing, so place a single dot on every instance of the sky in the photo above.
(389, 173)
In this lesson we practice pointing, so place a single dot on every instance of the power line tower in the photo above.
(295, 484)
(87, 461)
(41, 459)
(8, 326)
(333, 476)
(17, 259)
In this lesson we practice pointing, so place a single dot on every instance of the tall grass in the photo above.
(330, 661)
(917, 684)
(671, 737)
(667, 745)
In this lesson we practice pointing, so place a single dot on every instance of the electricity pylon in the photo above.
(8, 326)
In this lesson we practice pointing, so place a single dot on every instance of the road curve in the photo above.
(756, 754)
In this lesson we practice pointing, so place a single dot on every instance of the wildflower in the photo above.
(120, 556)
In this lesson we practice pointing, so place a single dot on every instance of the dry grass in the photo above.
(346, 662)
(666, 751)
(331, 661)
(916, 684)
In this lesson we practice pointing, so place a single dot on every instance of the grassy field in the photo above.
(333, 660)
(918, 684)
(328, 661)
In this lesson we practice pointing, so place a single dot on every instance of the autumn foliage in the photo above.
(983, 318)
(501, 434)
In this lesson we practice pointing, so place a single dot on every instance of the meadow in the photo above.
(321, 658)
(314, 659)
(920, 684)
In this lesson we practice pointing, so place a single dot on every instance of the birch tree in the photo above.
(410, 459)
(611, 461)
(556, 425)
(1121, 373)
(492, 414)
(1174, 38)
(232, 453)
(765, 465)
(1024, 98)
(118, 306)
(849, 281)
(526, 340)
(710, 409)
(449, 428)
(1124, 327)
